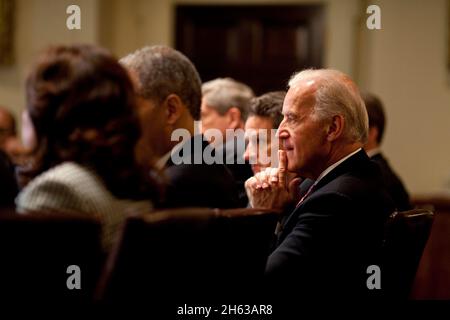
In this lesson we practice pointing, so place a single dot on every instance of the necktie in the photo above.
(279, 226)
(306, 194)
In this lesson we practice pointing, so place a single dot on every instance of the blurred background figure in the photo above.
(377, 123)
(169, 97)
(81, 128)
(8, 187)
(7, 127)
(264, 114)
(225, 104)
(9, 141)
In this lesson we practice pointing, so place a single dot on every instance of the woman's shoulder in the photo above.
(68, 186)
(69, 174)
(66, 171)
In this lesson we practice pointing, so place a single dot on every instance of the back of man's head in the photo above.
(162, 71)
(337, 94)
(376, 114)
(268, 105)
(225, 93)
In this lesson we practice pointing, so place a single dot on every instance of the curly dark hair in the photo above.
(82, 105)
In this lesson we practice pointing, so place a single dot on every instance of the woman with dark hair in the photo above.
(81, 129)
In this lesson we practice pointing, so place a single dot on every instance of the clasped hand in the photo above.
(273, 188)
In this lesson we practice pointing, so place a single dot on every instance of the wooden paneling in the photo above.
(261, 46)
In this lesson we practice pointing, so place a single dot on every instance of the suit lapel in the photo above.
(351, 163)
(304, 187)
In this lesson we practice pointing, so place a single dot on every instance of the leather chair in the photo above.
(433, 276)
(406, 235)
(36, 251)
(183, 254)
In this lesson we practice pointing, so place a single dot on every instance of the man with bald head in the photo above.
(330, 232)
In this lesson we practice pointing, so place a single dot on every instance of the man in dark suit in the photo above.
(199, 184)
(377, 121)
(8, 186)
(169, 97)
(330, 233)
(225, 104)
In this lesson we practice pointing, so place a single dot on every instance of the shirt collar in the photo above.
(373, 152)
(161, 163)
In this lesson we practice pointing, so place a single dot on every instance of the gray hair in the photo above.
(225, 93)
(337, 94)
(163, 71)
(269, 105)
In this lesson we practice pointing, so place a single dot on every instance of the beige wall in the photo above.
(39, 23)
(405, 62)
(406, 65)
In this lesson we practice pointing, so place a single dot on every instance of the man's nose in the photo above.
(282, 136)
(281, 129)
(281, 133)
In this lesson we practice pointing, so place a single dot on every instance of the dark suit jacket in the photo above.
(240, 169)
(326, 244)
(199, 185)
(394, 185)
(8, 186)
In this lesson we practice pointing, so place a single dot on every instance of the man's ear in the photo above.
(174, 108)
(234, 118)
(336, 127)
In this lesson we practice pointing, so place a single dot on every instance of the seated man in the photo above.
(9, 142)
(326, 241)
(264, 118)
(225, 104)
(8, 184)
(377, 121)
(169, 98)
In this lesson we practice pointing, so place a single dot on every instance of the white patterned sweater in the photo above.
(74, 189)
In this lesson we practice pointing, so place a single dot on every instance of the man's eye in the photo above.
(291, 118)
